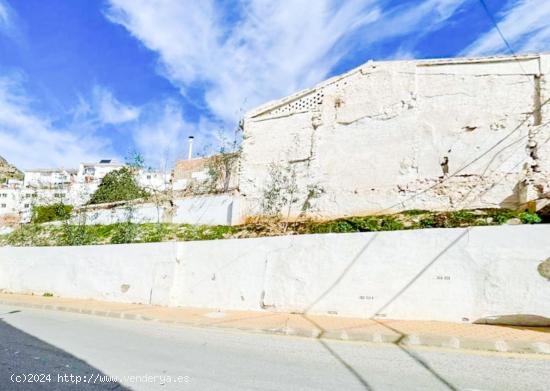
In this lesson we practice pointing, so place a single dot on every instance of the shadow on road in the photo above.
(399, 293)
(24, 356)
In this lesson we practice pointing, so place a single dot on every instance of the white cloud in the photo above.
(525, 25)
(31, 140)
(4, 20)
(268, 50)
(103, 108)
(273, 49)
(9, 22)
(111, 110)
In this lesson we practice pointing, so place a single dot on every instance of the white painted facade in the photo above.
(154, 181)
(9, 200)
(479, 274)
(390, 136)
(94, 172)
(48, 178)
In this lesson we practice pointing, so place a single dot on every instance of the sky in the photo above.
(87, 80)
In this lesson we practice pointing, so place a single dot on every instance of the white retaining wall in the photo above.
(140, 213)
(123, 273)
(207, 210)
(458, 275)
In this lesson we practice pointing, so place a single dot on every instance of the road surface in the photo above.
(108, 354)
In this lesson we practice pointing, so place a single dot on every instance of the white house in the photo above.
(154, 180)
(94, 172)
(48, 178)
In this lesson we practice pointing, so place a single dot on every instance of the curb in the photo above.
(411, 340)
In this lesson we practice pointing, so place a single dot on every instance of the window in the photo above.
(27, 205)
(3, 206)
(28, 195)
(4, 195)
(148, 176)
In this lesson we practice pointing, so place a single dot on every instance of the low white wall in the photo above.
(136, 273)
(208, 210)
(142, 213)
(434, 274)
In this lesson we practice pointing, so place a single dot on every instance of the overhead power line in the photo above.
(495, 24)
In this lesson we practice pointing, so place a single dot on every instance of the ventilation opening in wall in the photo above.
(306, 103)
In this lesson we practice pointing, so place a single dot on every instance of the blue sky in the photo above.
(83, 80)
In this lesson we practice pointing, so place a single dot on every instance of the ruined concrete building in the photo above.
(400, 135)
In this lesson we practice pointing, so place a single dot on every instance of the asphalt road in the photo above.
(105, 354)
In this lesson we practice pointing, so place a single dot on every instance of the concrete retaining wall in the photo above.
(141, 213)
(476, 274)
(207, 209)
(124, 273)
(210, 210)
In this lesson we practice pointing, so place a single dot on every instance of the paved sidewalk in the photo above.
(426, 333)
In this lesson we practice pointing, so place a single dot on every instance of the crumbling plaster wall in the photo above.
(389, 136)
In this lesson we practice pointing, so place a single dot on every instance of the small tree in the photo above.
(135, 160)
(75, 233)
(282, 192)
(125, 232)
(220, 170)
(119, 185)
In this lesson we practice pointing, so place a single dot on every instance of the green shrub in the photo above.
(529, 218)
(365, 224)
(124, 233)
(119, 185)
(390, 223)
(153, 232)
(68, 234)
(338, 226)
(28, 235)
(414, 212)
(427, 222)
(501, 216)
(76, 235)
(53, 212)
(462, 218)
